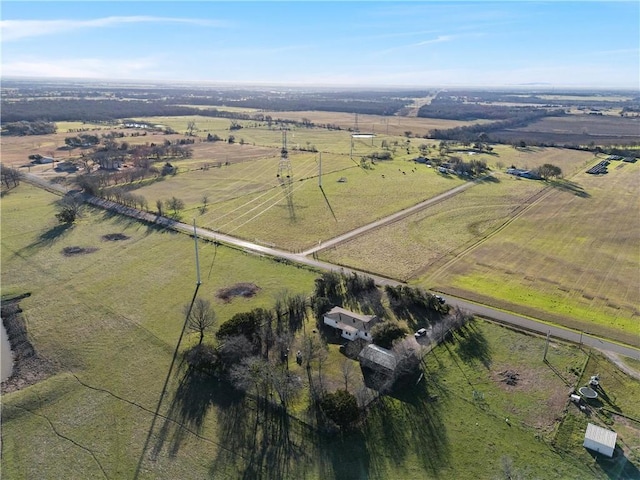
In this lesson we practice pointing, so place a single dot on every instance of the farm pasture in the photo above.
(314, 214)
(435, 235)
(579, 129)
(380, 125)
(98, 317)
(571, 259)
(420, 242)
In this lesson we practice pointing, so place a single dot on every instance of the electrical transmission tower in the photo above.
(285, 176)
(285, 173)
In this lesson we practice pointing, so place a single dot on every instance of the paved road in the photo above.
(474, 308)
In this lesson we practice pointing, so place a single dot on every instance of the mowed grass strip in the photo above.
(573, 258)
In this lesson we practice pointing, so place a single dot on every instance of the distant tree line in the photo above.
(473, 111)
(23, 127)
(546, 99)
(471, 133)
(112, 109)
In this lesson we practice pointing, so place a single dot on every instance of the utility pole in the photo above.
(320, 171)
(195, 239)
(546, 346)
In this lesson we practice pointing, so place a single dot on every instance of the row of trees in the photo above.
(471, 133)
(403, 298)
(28, 127)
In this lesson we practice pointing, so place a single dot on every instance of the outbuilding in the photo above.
(600, 440)
(378, 359)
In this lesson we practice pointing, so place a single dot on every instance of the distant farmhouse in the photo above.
(524, 173)
(39, 159)
(351, 325)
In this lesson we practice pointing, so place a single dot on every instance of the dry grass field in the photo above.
(378, 124)
(578, 129)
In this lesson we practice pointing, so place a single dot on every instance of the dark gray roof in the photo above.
(373, 354)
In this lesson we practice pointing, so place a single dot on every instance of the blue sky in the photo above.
(359, 44)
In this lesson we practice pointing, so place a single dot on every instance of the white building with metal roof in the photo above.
(600, 440)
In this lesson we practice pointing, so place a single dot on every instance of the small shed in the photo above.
(600, 440)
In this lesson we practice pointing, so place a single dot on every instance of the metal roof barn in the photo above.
(600, 440)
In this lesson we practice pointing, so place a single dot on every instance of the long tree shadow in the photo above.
(261, 441)
(197, 392)
(409, 422)
(472, 346)
(571, 187)
(47, 238)
(344, 456)
(369, 303)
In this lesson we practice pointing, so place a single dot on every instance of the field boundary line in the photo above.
(533, 200)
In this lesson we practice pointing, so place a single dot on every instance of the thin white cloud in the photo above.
(439, 39)
(19, 29)
(432, 41)
(92, 68)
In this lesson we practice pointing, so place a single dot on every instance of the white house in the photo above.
(600, 440)
(352, 325)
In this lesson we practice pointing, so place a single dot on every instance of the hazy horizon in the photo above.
(454, 44)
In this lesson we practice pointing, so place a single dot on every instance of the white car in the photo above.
(420, 333)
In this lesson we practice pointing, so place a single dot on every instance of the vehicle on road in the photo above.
(420, 333)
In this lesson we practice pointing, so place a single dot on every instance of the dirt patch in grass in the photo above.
(114, 237)
(71, 251)
(513, 379)
(28, 367)
(246, 290)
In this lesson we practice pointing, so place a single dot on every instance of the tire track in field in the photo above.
(516, 213)
(69, 439)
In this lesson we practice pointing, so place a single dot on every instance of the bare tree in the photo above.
(253, 375)
(10, 177)
(191, 127)
(233, 349)
(286, 384)
(205, 203)
(175, 204)
(313, 349)
(346, 368)
(201, 317)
